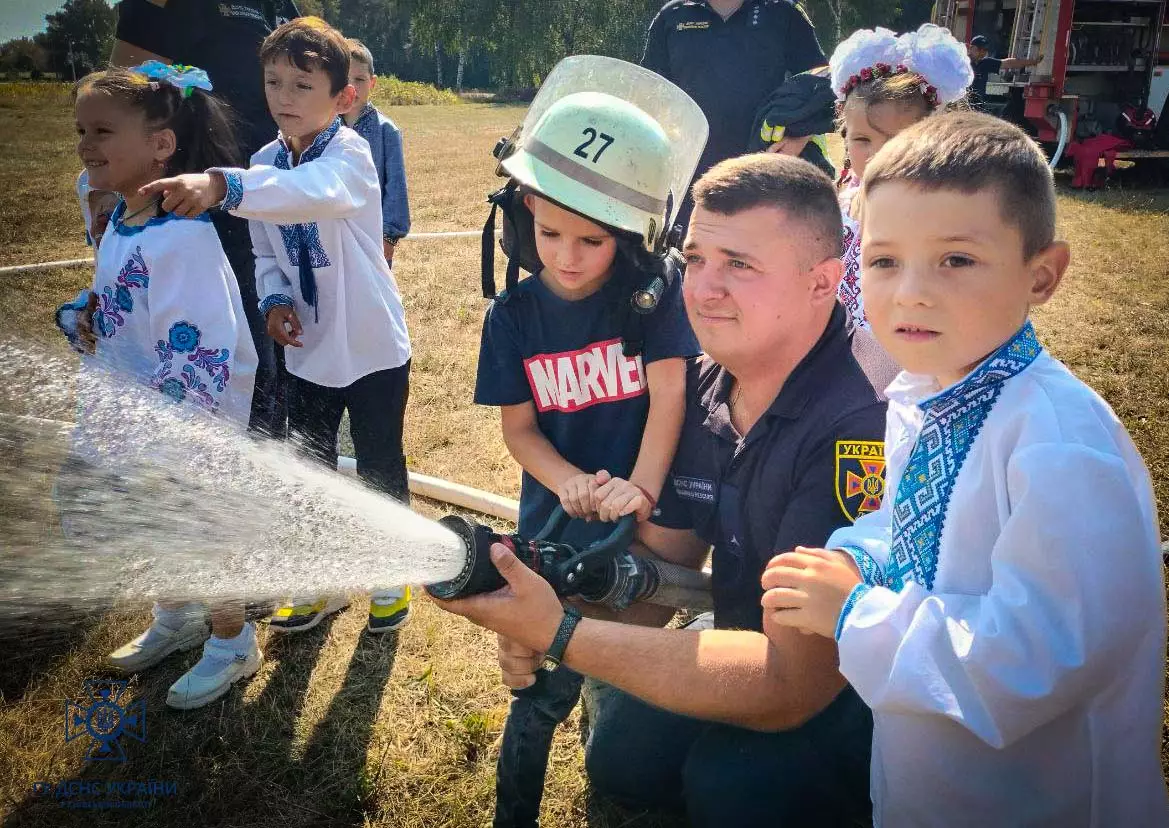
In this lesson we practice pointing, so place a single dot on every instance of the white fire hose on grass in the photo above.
(12, 270)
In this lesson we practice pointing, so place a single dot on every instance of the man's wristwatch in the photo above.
(564, 632)
(392, 241)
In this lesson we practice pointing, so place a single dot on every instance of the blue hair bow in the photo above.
(179, 75)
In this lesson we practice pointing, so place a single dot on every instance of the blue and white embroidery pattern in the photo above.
(297, 237)
(366, 123)
(304, 236)
(952, 422)
(115, 303)
(275, 299)
(858, 592)
(235, 191)
(185, 338)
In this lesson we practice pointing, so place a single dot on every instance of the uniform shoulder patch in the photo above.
(860, 476)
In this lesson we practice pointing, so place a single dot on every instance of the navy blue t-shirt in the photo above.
(566, 358)
(983, 69)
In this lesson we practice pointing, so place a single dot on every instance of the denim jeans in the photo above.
(527, 740)
(815, 775)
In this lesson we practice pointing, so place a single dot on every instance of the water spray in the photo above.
(145, 499)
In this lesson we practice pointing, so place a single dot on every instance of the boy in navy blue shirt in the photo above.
(591, 411)
(556, 366)
(385, 144)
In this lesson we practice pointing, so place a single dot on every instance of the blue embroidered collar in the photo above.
(1016, 354)
(953, 419)
(314, 150)
(133, 230)
(368, 113)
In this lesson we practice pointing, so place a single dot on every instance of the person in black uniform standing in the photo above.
(729, 55)
(223, 39)
(984, 66)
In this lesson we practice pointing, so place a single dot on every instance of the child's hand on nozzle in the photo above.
(284, 326)
(807, 588)
(576, 495)
(190, 194)
(616, 497)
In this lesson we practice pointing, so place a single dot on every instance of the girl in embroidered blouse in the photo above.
(165, 309)
(885, 83)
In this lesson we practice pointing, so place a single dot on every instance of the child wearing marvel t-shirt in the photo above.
(593, 423)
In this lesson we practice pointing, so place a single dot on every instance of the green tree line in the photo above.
(493, 44)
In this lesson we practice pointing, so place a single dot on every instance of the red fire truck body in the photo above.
(1097, 56)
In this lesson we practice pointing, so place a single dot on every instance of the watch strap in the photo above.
(555, 653)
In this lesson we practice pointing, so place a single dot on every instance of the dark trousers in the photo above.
(377, 411)
(269, 408)
(816, 775)
(527, 740)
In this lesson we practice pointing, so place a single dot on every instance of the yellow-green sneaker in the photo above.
(300, 615)
(389, 609)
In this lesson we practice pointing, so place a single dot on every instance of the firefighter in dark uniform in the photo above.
(729, 56)
(223, 39)
(782, 442)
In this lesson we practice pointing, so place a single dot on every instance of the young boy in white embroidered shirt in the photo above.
(1003, 613)
(314, 206)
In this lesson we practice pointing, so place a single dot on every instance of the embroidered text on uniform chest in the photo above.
(694, 488)
(573, 380)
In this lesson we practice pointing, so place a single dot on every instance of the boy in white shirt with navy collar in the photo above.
(1003, 613)
(314, 206)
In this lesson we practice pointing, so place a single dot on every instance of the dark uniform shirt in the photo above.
(730, 67)
(222, 38)
(812, 463)
(983, 69)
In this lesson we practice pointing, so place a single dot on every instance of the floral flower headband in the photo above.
(182, 77)
(931, 53)
(884, 70)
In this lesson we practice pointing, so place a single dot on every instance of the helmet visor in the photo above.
(675, 111)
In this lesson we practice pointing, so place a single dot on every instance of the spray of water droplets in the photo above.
(143, 498)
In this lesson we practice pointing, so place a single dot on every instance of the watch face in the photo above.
(549, 664)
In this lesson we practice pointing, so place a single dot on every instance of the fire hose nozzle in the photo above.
(603, 572)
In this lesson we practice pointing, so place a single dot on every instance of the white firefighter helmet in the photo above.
(611, 141)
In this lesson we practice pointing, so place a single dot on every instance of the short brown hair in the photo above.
(971, 152)
(310, 43)
(767, 179)
(360, 53)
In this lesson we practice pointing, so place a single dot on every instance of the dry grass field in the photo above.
(341, 730)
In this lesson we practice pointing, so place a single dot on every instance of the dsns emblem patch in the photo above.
(860, 476)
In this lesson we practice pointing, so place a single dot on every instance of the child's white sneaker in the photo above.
(171, 631)
(224, 662)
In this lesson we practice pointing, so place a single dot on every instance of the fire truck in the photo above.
(1098, 56)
